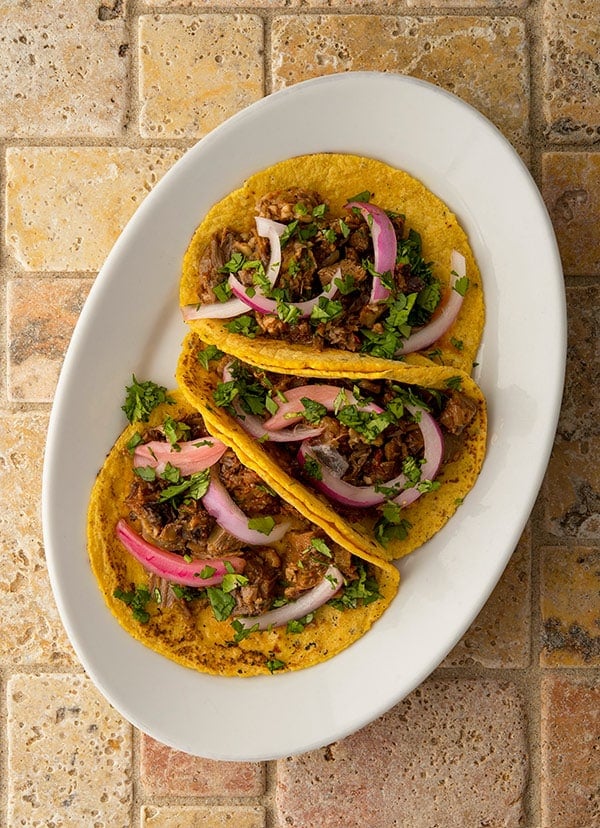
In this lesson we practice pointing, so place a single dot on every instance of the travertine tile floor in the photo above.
(98, 98)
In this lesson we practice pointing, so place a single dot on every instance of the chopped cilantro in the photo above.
(241, 631)
(133, 442)
(193, 487)
(297, 625)
(391, 525)
(209, 353)
(313, 411)
(147, 473)
(326, 310)
(461, 285)
(312, 468)
(320, 545)
(244, 325)
(234, 265)
(222, 291)
(454, 383)
(175, 431)
(142, 398)
(137, 599)
(369, 424)
(362, 591)
(275, 664)
(265, 525)
(221, 602)
(364, 196)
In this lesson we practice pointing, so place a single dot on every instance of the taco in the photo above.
(203, 561)
(325, 259)
(386, 458)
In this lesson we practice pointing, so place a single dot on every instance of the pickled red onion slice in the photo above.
(271, 230)
(288, 412)
(385, 245)
(214, 310)
(254, 426)
(218, 503)
(193, 455)
(310, 601)
(365, 496)
(444, 315)
(173, 567)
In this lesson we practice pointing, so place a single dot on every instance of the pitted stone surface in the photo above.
(163, 769)
(570, 745)
(196, 71)
(570, 70)
(67, 205)
(451, 754)
(63, 69)
(203, 816)
(41, 316)
(31, 630)
(69, 754)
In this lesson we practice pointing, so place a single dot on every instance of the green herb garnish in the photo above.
(142, 398)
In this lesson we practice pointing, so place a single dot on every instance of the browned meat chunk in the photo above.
(289, 205)
(223, 245)
(304, 566)
(262, 570)
(246, 487)
(458, 412)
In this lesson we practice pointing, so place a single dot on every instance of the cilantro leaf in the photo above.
(142, 398)
(209, 353)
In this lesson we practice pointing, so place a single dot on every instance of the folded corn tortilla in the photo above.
(187, 632)
(337, 177)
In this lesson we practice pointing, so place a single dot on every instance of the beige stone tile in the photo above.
(570, 586)
(165, 771)
(69, 756)
(570, 739)
(571, 41)
(203, 816)
(196, 71)
(500, 636)
(63, 69)
(482, 60)
(579, 412)
(30, 629)
(572, 490)
(67, 205)
(571, 190)
(453, 753)
(41, 316)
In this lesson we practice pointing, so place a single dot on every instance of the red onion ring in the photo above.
(266, 228)
(271, 230)
(385, 245)
(214, 310)
(331, 584)
(261, 304)
(365, 496)
(230, 517)
(445, 314)
(254, 426)
(193, 455)
(173, 567)
(326, 395)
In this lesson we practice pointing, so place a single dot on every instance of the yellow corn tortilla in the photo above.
(195, 638)
(338, 177)
(427, 515)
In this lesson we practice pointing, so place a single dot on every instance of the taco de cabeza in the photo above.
(388, 458)
(203, 561)
(327, 257)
